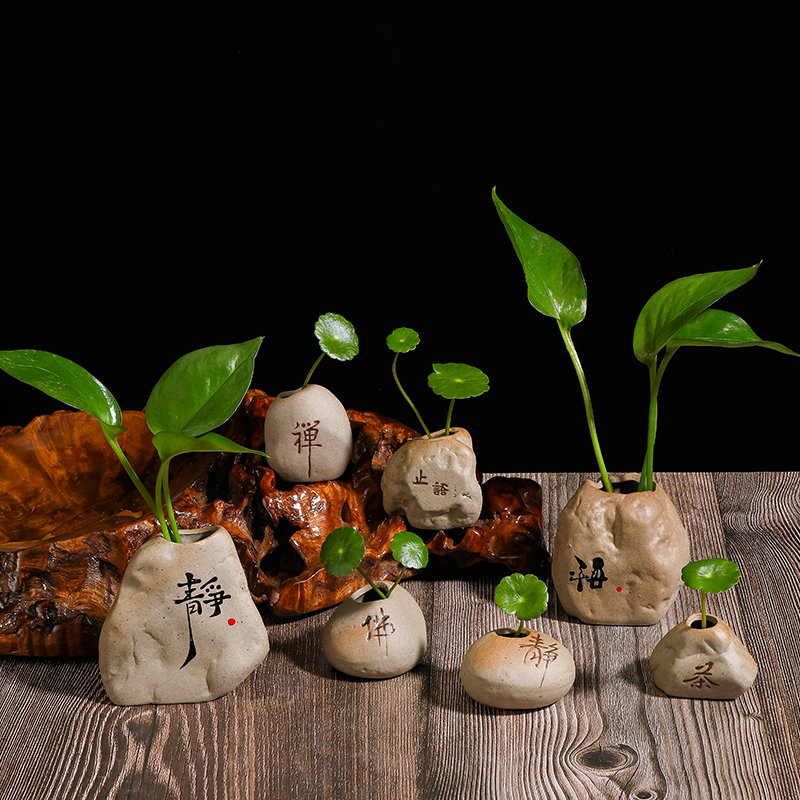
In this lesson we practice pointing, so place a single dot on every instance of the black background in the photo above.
(181, 179)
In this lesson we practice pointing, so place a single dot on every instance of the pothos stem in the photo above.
(587, 401)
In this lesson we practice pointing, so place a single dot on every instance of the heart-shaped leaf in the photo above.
(556, 286)
(718, 328)
(337, 337)
(524, 596)
(678, 303)
(402, 340)
(342, 551)
(409, 550)
(457, 381)
(63, 380)
(711, 575)
(202, 389)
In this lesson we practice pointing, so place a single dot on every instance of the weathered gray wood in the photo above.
(297, 729)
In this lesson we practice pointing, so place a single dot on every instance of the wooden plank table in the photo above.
(297, 729)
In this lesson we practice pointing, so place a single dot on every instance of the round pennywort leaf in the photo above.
(457, 381)
(342, 551)
(409, 550)
(524, 596)
(711, 575)
(402, 340)
(337, 337)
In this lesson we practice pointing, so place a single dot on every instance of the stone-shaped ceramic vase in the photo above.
(506, 671)
(307, 435)
(183, 627)
(433, 482)
(371, 637)
(617, 557)
(704, 663)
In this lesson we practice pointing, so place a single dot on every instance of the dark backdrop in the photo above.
(177, 180)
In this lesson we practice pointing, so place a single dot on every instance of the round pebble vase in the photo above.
(618, 556)
(307, 435)
(502, 670)
(372, 637)
(183, 627)
(704, 663)
(433, 482)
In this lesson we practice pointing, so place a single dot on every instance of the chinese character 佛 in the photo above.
(306, 434)
(209, 593)
(378, 627)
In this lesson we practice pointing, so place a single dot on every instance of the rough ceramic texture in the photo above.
(617, 558)
(307, 435)
(183, 627)
(506, 671)
(375, 638)
(707, 663)
(433, 483)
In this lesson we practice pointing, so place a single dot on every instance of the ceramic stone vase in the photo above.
(371, 637)
(183, 627)
(433, 482)
(617, 557)
(704, 663)
(307, 435)
(506, 671)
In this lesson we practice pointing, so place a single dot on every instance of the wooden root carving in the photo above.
(70, 522)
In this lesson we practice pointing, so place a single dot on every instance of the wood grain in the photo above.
(297, 729)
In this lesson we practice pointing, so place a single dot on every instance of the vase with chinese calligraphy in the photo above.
(618, 556)
(307, 435)
(433, 482)
(704, 663)
(373, 637)
(503, 670)
(183, 627)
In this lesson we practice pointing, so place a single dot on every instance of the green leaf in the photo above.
(169, 444)
(342, 551)
(409, 550)
(555, 281)
(63, 380)
(678, 303)
(717, 328)
(402, 340)
(202, 389)
(457, 381)
(337, 337)
(711, 575)
(524, 596)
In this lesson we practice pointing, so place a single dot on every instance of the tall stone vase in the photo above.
(183, 627)
(617, 557)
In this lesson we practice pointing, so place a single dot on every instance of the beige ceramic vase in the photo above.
(307, 435)
(433, 482)
(506, 671)
(375, 638)
(617, 557)
(183, 627)
(704, 663)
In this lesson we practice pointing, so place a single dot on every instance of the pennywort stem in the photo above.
(449, 417)
(521, 629)
(311, 371)
(587, 401)
(408, 399)
(702, 609)
(369, 580)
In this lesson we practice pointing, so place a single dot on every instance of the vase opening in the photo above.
(698, 623)
(511, 633)
(625, 487)
(197, 534)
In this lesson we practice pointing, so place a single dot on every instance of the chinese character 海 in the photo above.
(596, 578)
(306, 434)
(701, 677)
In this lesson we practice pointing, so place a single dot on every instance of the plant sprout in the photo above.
(523, 596)
(710, 576)
(343, 551)
(337, 339)
(199, 392)
(676, 315)
(451, 381)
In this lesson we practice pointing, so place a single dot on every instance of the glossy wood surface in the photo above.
(297, 729)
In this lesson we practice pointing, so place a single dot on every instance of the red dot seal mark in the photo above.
(231, 622)
(619, 588)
